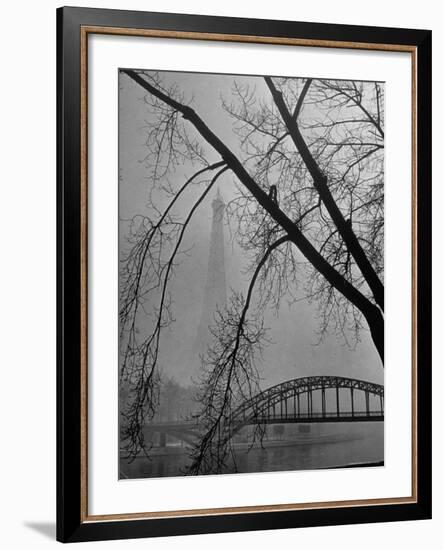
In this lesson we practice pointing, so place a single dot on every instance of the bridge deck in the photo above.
(317, 418)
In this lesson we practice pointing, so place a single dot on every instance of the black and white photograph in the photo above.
(251, 263)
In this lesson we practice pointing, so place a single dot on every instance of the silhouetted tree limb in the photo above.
(230, 376)
(140, 358)
(371, 313)
(320, 182)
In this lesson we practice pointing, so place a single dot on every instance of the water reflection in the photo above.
(300, 447)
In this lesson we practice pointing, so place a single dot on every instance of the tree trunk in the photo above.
(376, 324)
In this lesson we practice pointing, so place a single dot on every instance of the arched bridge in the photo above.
(308, 399)
(305, 400)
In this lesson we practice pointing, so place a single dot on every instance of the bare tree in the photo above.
(309, 197)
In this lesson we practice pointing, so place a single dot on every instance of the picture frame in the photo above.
(75, 26)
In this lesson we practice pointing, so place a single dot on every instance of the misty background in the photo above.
(295, 350)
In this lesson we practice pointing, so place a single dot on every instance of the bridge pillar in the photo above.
(337, 396)
(367, 403)
(323, 401)
(352, 401)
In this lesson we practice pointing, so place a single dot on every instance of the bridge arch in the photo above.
(262, 407)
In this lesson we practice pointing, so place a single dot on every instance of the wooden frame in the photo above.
(73, 521)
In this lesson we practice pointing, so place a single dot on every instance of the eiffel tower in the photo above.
(215, 289)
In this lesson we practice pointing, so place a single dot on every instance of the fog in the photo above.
(294, 350)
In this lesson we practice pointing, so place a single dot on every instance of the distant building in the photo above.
(215, 288)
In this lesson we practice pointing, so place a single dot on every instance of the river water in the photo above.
(299, 447)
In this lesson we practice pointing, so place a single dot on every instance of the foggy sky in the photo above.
(293, 330)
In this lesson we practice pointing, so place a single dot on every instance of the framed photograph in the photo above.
(233, 197)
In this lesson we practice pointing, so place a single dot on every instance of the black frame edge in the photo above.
(69, 525)
(68, 276)
(424, 273)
